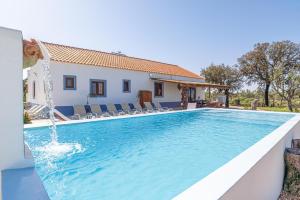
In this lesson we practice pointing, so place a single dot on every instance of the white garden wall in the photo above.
(113, 77)
(11, 101)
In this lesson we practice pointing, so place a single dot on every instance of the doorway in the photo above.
(192, 94)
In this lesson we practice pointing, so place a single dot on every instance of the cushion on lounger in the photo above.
(65, 110)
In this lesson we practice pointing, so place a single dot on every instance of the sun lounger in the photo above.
(97, 111)
(39, 109)
(160, 108)
(113, 110)
(37, 112)
(128, 110)
(191, 106)
(32, 108)
(80, 113)
(139, 108)
(35, 109)
(149, 107)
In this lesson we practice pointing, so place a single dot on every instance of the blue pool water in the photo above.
(153, 157)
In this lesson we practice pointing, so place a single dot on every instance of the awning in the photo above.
(194, 84)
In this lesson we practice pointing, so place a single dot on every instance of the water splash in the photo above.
(48, 85)
(50, 153)
(56, 150)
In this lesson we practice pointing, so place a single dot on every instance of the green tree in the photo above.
(223, 75)
(287, 70)
(257, 66)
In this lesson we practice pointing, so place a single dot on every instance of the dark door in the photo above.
(192, 94)
(145, 96)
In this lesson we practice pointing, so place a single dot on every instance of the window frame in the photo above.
(65, 77)
(105, 87)
(162, 87)
(129, 85)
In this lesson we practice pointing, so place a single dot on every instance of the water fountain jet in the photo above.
(35, 50)
(48, 90)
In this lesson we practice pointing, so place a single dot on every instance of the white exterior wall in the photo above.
(11, 118)
(114, 83)
(35, 74)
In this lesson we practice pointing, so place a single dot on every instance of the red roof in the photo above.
(62, 53)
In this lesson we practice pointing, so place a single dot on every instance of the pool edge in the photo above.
(257, 173)
(30, 126)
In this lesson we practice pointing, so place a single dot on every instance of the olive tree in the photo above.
(223, 75)
(257, 66)
(287, 70)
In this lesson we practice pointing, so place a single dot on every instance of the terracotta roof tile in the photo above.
(62, 53)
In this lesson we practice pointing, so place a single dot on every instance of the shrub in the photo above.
(26, 119)
(235, 101)
(244, 101)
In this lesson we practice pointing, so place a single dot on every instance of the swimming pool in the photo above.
(152, 157)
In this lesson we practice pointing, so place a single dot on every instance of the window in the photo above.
(69, 82)
(33, 90)
(158, 89)
(126, 86)
(98, 88)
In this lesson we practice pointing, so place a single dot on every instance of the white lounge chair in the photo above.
(113, 110)
(160, 108)
(191, 106)
(149, 107)
(32, 108)
(39, 109)
(35, 109)
(97, 111)
(139, 108)
(128, 110)
(37, 112)
(80, 113)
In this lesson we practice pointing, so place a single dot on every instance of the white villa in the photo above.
(82, 76)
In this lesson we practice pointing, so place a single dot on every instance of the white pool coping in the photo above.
(26, 126)
(45, 124)
(217, 183)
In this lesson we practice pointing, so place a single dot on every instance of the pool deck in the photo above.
(45, 122)
(22, 184)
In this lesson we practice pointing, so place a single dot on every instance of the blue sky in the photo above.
(192, 34)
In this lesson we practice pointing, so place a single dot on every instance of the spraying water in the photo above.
(48, 90)
(53, 149)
